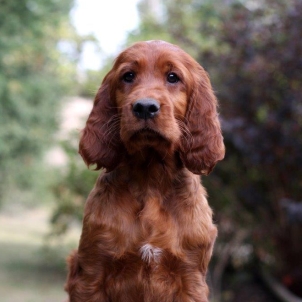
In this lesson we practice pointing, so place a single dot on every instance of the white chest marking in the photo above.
(150, 253)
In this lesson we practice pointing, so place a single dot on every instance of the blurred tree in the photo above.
(34, 75)
(252, 50)
(73, 185)
(93, 79)
(261, 106)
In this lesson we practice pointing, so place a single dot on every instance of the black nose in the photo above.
(146, 108)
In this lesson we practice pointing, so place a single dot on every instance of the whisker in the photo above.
(186, 132)
(112, 125)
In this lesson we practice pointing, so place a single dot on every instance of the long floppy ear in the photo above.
(204, 146)
(100, 142)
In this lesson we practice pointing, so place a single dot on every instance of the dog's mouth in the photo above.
(147, 139)
(148, 135)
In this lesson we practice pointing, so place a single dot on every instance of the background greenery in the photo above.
(35, 76)
(252, 51)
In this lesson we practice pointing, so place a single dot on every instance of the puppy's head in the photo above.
(155, 96)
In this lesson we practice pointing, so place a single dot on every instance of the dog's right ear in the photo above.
(100, 143)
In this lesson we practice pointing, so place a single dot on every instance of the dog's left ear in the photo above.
(203, 147)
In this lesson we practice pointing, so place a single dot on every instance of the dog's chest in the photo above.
(155, 234)
(150, 254)
(158, 230)
(149, 225)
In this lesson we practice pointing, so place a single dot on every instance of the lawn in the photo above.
(30, 269)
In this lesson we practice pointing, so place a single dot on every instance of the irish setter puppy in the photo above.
(147, 231)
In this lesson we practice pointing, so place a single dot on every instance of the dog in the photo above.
(148, 233)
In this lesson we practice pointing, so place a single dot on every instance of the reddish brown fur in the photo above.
(148, 194)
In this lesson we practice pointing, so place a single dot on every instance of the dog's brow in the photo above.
(127, 66)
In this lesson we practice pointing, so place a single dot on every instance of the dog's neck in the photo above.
(150, 162)
(149, 170)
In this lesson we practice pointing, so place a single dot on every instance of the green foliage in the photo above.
(184, 22)
(93, 79)
(71, 189)
(32, 83)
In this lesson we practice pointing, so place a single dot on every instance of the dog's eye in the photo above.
(172, 78)
(129, 77)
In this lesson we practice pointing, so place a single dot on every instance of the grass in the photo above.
(30, 270)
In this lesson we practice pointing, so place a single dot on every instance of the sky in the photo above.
(109, 21)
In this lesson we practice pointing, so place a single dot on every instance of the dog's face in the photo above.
(151, 94)
(156, 96)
